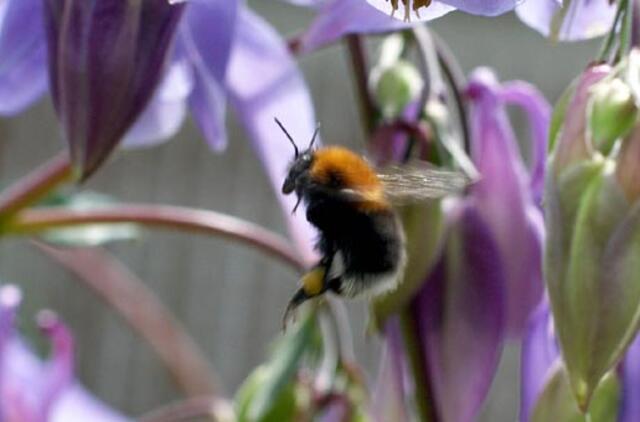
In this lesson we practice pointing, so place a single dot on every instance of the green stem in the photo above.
(34, 186)
(607, 45)
(359, 63)
(625, 31)
(35, 221)
(415, 354)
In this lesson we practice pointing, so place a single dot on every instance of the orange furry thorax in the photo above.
(340, 168)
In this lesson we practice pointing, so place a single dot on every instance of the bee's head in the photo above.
(301, 161)
(299, 167)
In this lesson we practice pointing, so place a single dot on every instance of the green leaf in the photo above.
(271, 396)
(90, 234)
(282, 409)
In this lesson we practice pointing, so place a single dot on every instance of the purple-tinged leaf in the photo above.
(280, 92)
(461, 312)
(105, 60)
(23, 75)
(584, 18)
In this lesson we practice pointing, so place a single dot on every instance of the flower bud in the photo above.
(397, 86)
(613, 113)
(105, 60)
(593, 237)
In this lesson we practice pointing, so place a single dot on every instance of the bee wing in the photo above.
(415, 182)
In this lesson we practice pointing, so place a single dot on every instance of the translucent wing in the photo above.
(415, 182)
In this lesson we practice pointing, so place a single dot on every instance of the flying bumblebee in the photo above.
(361, 240)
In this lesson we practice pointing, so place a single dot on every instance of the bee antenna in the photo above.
(295, 147)
(315, 134)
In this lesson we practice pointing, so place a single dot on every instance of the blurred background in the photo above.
(231, 298)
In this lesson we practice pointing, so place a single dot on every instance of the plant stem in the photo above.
(415, 354)
(191, 220)
(625, 30)
(607, 45)
(143, 311)
(211, 407)
(34, 186)
(360, 70)
(455, 78)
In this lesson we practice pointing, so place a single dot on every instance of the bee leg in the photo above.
(298, 299)
(313, 284)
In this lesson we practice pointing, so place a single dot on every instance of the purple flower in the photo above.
(582, 18)
(460, 314)
(508, 195)
(213, 50)
(336, 18)
(488, 278)
(36, 391)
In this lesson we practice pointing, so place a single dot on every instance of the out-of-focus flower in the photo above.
(507, 195)
(415, 9)
(460, 315)
(337, 18)
(580, 19)
(546, 394)
(36, 391)
(593, 225)
(99, 91)
(488, 278)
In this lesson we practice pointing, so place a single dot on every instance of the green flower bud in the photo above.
(613, 113)
(592, 268)
(396, 86)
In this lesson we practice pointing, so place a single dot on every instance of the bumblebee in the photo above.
(361, 240)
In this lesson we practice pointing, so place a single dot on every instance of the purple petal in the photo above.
(630, 406)
(585, 18)
(76, 405)
(57, 375)
(206, 37)
(164, 115)
(539, 353)
(23, 76)
(341, 17)
(538, 111)
(484, 7)
(461, 309)
(105, 60)
(281, 92)
(504, 199)
(388, 400)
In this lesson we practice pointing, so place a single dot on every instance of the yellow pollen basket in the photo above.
(313, 281)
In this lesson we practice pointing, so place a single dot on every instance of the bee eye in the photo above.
(306, 157)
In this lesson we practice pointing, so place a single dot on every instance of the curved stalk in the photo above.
(138, 305)
(191, 220)
(199, 407)
(35, 186)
